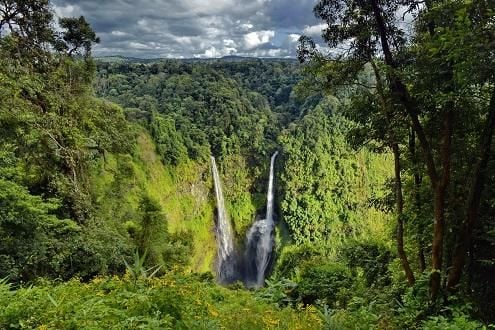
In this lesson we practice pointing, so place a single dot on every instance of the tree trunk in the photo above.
(439, 185)
(437, 244)
(400, 217)
(474, 199)
(401, 95)
(421, 257)
(439, 197)
(399, 200)
(417, 198)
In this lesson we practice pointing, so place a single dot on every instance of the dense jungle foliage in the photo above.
(384, 183)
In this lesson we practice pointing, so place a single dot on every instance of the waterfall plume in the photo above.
(226, 262)
(260, 238)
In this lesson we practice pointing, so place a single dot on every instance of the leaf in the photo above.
(52, 300)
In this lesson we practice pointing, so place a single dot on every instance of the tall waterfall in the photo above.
(269, 199)
(226, 262)
(260, 238)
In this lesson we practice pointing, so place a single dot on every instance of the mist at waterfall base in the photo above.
(250, 266)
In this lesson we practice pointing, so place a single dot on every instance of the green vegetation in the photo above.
(419, 93)
(326, 186)
(119, 184)
(385, 197)
(170, 302)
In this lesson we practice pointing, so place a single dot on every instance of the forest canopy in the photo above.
(384, 201)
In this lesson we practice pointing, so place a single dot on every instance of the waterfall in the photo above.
(251, 268)
(269, 199)
(260, 238)
(225, 265)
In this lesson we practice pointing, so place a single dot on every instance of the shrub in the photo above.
(293, 258)
(171, 302)
(327, 283)
(373, 258)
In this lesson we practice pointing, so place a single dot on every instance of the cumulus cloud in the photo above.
(258, 38)
(194, 28)
(293, 37)
(314, 30)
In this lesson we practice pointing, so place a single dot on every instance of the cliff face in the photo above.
(118, 183)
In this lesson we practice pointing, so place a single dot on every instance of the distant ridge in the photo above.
(234, 58)
(228, 58)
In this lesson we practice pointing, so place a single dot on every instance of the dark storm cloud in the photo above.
(292, 13)
(195, 28)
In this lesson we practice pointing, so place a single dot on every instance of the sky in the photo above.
(195, 28)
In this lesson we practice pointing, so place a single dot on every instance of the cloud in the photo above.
(246, 26)
(293, 37)
(67, 11)
(258, 38)
(119, 33)
(314, 30)
(291, 13)
(194, 28)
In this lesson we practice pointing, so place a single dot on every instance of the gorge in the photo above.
(114, 214)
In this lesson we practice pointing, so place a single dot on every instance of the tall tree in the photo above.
(433, 102)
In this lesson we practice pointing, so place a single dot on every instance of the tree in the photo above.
(53, 131)
(427, 81)
(28, 23)
(78, 37)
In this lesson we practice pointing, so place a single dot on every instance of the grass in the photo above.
(171, 302)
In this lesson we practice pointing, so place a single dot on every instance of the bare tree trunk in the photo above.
(399, 200)
(400, 217)
(417, 198)
(439, 198)
(474, 199)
